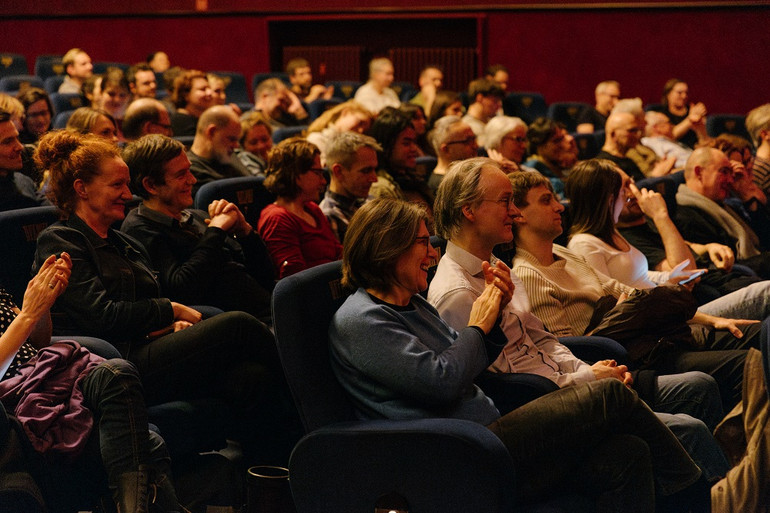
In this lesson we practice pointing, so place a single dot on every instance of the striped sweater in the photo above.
(564, 294)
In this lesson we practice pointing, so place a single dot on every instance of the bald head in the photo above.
(217, 134)
(622, 132)
(146, 116)
(219, 116)
(708, 172)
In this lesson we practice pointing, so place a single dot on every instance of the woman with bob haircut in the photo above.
(294, 228)
(397, 359)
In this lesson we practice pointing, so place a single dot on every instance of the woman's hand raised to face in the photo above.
(47, 285)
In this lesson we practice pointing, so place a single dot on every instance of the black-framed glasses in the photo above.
(424, 240)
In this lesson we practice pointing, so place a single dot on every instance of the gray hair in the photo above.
(497, 128)
(342, 147)
(459, 187)
(441, 130)
(757, 120)
(631, 106)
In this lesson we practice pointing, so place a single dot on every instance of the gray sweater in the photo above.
(406, 363)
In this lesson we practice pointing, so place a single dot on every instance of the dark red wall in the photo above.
(721, 52)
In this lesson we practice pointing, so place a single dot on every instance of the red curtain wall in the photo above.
(720, 52)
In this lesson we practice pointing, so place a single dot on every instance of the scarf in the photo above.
(747, 241)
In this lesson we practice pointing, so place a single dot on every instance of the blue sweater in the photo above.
(408, 364)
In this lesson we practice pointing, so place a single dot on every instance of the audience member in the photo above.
(78, 408)
(214, 257)
(86, 120)
(656, 236)
(142, 81)
(397, 359)
(660, 138)
(505, 139)
(295, 230)
(689, 119)
(645, 158)
(279, 105)
(546, 145)
(115, 95)
(486, 97)
(256, 141)
(397, 161)
(758, 126)
(92, 90)
(591, 119)
(452, 140)
(420, 123)
(703, 217)
(430, 81)
(77, 64)
(621, 134)
(352, 161)
(376, 94)
(469, 208)
(748, 199)
(191, 96)
(113, 293)
(15, 108)
(159, 62)
(566, 294)
(146, 116)
(447, 103)
(301, 79)
(16, 189)
(593, 235)
(38, 113)
(349, 116)
(212, 151)
(499, 74)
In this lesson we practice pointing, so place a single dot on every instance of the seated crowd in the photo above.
(184, 295)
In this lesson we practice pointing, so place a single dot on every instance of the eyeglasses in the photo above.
(467, 142)
(505, 202)
(520, 140)
(424, 240)
(319, 171)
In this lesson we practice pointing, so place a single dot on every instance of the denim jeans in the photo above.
(751, 302)
(113, 393)
(560, 442)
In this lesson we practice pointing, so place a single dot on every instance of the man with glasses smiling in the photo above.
(453, 140)
(474, 211)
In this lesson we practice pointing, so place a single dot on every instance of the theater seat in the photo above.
(235, 87)
(567, 113)
(13, 84)
(49, 66)
(429, 465)
(13, 64)
(526, 105)
(63, 102)
(344, 89)
(247, 192)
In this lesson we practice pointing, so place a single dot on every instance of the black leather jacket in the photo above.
(112, 293)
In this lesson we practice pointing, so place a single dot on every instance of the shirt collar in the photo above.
(467, 260)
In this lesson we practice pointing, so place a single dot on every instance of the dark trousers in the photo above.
(597, 439)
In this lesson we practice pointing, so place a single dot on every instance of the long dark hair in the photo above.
(593, 187)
